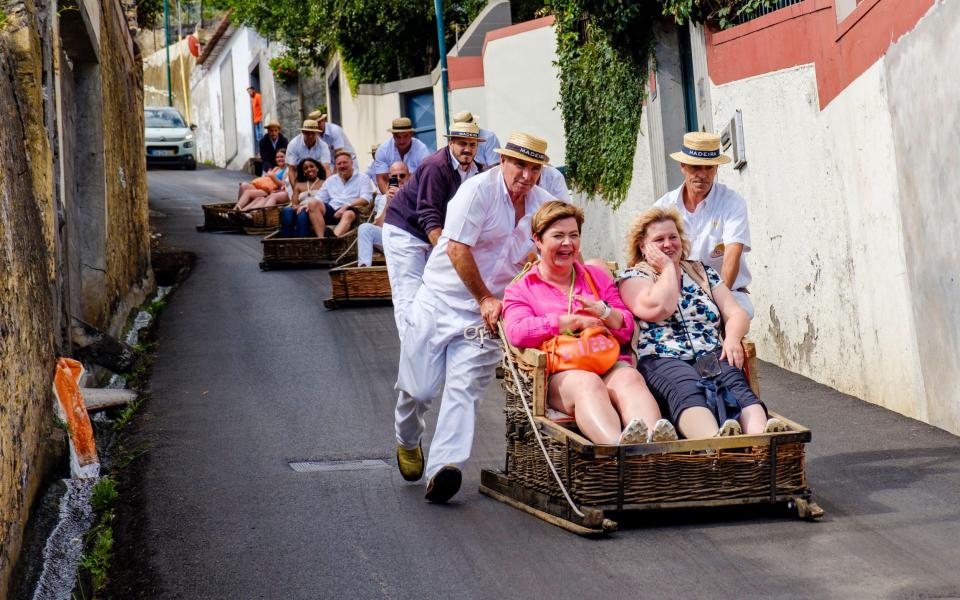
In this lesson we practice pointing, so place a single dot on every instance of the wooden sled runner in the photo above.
(353, 285)
(598, 481)
(224, 217)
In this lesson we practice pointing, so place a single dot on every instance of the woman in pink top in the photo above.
(613, 408)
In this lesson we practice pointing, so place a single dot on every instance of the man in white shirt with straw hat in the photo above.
(447, 347)
(307, 145)
(415, 218)
(401, 146)
(714, 216)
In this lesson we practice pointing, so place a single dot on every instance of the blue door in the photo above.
(419, 107)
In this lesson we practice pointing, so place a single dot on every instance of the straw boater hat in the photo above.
(701, 148)
(273, 123)
(315, 115)
(465, 130)
(465, 116)
(525, 147)
(401, 125)
(310, 125)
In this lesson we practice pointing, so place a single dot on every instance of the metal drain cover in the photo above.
(314, 466)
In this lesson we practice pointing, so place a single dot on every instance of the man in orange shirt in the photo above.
(257, 112)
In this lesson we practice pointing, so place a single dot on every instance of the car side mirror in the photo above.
(193, 127)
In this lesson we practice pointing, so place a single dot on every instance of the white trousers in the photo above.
(406, 259)
(368, 237)
(435, 355)
(743, 299)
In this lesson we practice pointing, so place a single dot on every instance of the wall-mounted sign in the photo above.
(732, 138)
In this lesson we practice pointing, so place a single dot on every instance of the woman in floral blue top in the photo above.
(687, 319)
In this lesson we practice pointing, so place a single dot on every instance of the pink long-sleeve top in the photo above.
(532, 307)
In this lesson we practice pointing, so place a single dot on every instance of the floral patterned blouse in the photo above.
(667, 338)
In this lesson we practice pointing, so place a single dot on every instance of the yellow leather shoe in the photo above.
(410, 463)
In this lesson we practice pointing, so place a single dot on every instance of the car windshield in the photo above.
(164, 118)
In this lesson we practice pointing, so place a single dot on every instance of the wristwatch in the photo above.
(606, 310)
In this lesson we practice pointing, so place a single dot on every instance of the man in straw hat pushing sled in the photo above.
(484, 243)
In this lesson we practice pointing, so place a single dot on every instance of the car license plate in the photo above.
(163, 152)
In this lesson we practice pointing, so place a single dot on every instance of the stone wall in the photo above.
(73, 220)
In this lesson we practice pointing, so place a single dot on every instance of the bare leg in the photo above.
(629, 394)
(244, 186)
(277, 198)
(584, 395)
(697, 422)
(753, 419)
(316, 210)
(346, 221)
(248, 196)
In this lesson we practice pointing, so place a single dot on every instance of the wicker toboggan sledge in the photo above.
(223, 217)
(583, 485)
(330, 251)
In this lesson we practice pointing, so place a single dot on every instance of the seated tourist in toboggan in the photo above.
(267, 190)
(557, 295)
(690, 331)
(335, 204)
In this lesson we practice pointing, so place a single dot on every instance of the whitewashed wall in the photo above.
(243, 47)
(829, 283)
(522, 87)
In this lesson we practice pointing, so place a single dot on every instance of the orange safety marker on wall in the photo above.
(84, 461)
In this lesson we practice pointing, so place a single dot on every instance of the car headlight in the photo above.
(188, 144)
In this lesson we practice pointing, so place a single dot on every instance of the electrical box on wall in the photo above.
(732, 139)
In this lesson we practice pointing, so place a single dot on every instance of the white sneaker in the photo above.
(729, 427)
(775, 425)
(663, 431)
(634, 433)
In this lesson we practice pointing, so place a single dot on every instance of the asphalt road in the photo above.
(253, 373)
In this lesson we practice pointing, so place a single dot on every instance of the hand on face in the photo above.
(655, 257)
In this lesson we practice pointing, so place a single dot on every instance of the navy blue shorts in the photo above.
(673, 383)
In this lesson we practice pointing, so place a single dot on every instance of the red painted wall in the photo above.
(809, 33)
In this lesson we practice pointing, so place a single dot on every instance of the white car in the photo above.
(169, 139)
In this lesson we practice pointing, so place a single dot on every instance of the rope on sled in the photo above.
(536, 431)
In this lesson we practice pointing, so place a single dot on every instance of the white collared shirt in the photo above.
(720, 219)
(387, 154)
(297, 150)
(464, 175)
(552, 180)
(482, 216)
(485, 149)
(338, 193)
(335, 138)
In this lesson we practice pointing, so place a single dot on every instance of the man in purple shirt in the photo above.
(415, 216)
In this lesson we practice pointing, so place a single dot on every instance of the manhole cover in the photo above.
(314, 466)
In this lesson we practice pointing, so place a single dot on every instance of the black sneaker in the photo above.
(444, 485)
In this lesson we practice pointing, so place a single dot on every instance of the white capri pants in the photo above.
(435, 355)
(406, 259)
(369, 236)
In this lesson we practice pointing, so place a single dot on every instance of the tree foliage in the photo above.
(603, 51)
(378, 40)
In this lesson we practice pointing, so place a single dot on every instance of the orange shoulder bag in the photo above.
(593, 349)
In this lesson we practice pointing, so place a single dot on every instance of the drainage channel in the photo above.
(326, 466)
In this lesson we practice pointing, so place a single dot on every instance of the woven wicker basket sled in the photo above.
(601, 481)
(353, 285)
(224, 217)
